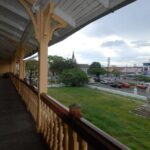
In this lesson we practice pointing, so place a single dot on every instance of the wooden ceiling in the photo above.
(16, 26)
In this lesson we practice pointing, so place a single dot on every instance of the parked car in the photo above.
(116, 85)
(104, 81)
(96, 79)
(125, 85)
(142, 86)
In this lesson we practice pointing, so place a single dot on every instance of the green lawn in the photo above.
(110, 113)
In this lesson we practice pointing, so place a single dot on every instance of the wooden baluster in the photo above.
(31, 102)
(33, 105)
(55, 144)
(28, 98)
(48, 125)
(73, 142)
(46, 122)
(41, 114)
(43, 118)
(65, 140)
(29, 93)
(60, 134)
(82, 144)
(36, 108)
(52, 130)
(76, 144)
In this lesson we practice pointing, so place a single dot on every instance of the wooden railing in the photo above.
(63, 128)
(29, 95)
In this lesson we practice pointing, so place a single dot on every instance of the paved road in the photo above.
(128, 90)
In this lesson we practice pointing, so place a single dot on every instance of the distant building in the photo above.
(132, 70)
(135, 70)
(146, 68)
(84, 67)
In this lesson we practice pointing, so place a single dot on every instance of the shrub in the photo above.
(143, 78)
(73, 77)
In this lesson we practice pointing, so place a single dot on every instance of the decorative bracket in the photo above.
(43, 21)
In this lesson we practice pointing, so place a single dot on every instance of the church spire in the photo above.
(73, 57)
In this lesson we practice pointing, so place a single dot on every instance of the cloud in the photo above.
(130, 22)
(141, 43)
(123, 36)
(116, 43)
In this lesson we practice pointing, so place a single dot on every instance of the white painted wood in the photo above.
(74, 12)
(65, 17)
(92, 7)
(11, 22)
(14, 10)
(6, 34)
(6, 29)
(105, 3)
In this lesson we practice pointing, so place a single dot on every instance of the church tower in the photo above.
(73, 57)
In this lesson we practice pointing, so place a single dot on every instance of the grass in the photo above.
(110, 113)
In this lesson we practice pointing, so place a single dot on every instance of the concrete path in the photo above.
(118, 92)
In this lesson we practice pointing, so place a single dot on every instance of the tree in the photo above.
(57, 64)
(116, 72)
(73, 77)
(32, 69)
(96, 69)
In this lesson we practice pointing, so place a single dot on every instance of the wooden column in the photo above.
(24, 69)
(42, 23)
(41, 20)
(43, 68)
(43, 53)
(14, 66)
(21, 65)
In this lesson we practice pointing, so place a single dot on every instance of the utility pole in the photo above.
(108, 65)
(126, 72)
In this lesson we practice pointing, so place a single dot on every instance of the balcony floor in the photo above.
(17, 128)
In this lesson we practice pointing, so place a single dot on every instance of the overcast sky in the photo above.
(124, 36)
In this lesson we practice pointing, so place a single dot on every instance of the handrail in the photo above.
(28, 93)
(60, 128)
(96, 138)
(28, 85)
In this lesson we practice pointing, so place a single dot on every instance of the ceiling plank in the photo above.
(12, 23)
(4, 28)
(105, 3)
(14, 10)
(65, 17)
(6, 35)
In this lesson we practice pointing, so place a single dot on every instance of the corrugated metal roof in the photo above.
(14, 21)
